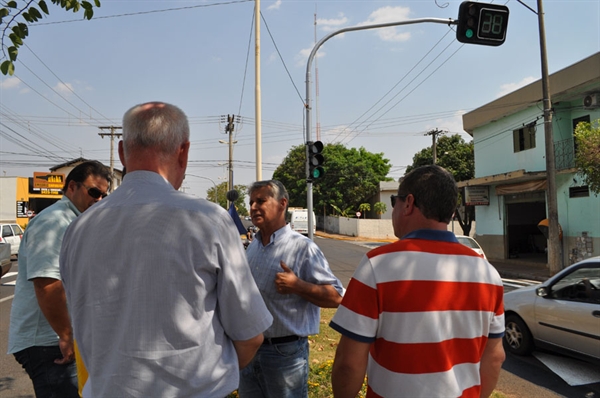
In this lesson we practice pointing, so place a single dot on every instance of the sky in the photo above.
(381, 89)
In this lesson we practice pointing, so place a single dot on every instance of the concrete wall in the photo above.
(378, 229)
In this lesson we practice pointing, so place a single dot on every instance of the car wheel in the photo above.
(517, 337)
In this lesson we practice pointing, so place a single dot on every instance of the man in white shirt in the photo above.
(162, 299)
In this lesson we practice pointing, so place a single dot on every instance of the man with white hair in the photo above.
(162, 300)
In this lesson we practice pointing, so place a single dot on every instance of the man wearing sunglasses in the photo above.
(423, 316)
(40, 333)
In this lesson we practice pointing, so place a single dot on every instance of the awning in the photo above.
(511, 177)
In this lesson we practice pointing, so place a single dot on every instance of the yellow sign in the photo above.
(48, 180)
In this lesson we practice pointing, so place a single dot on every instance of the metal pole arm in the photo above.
(309, 201)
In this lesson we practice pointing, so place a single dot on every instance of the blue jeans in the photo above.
(49, 379)
(277, 371)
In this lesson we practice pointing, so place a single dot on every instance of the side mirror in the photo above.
(542, 291)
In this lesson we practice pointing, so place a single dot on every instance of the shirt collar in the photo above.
(277, 234)
(431, 234)
(70, 205)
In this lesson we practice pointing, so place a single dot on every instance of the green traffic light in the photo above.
(469, 33)
(317, 172)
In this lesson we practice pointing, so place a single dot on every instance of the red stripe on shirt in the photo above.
(416, 358)
(361, 300)
(414, 296)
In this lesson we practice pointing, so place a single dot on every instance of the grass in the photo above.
(322, 352)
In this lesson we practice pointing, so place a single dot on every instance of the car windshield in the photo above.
(468, 242)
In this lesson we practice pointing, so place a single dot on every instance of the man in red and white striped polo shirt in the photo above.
(424, 316)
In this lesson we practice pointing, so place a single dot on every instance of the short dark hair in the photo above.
(83, 170)
(434, 190)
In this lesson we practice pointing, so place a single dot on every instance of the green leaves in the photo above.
(587, 155)
(7, 68)
(351, 177)
(17, 31)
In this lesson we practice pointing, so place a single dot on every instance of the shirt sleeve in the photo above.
(358, 315)
(316, 269)
(43, 245)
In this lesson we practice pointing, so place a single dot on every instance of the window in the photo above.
(579, 192)
(524, 138)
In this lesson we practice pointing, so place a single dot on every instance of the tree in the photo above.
(380, 208)
(221, 194)
(364, 208)
(458, 157)
(351, 177)
(587, 155)
(12, 12)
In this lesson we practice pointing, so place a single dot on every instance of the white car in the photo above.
(12, 234)
(561, 314)
(472, 243)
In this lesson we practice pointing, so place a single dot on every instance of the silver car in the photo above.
(561, 314)
(470, 242)
(11, 234)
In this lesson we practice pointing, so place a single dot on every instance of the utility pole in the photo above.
(229, 128)
(257, 93)
(554, 243)
(434, 133)
(112, 136)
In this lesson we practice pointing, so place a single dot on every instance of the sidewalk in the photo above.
(507, 268)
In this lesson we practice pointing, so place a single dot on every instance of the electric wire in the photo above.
(147, 12)
(281, 58)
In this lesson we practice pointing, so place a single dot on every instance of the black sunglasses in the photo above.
(95, 193)
(396, 197)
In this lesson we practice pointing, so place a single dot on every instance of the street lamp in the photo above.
(206, 178)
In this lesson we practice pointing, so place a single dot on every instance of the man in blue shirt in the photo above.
(40, 334)
(295, 281)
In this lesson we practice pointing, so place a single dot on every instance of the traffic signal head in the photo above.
(482, 23)
(315, 160)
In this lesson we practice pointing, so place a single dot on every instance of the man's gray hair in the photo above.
(156, 125)
(277, 189)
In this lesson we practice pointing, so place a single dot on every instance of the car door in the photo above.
(569, 316)
(9, 237)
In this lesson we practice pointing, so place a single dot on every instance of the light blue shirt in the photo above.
(292, 315)
(38, 258)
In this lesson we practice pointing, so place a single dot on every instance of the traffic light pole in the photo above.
(313, 53)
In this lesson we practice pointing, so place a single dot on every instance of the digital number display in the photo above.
(492, 24)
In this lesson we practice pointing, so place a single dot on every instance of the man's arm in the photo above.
(491, 363)
(53, 303)
(324, 296)
(349, 367)
(246, 349)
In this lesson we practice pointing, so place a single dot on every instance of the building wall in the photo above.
(8, 199)
(494, 150)
(494, 154)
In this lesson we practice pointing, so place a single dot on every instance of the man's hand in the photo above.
(67, 350)
(324, 296)
(285, 281)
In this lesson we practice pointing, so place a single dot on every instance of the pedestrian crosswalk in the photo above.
(9, 279)
(517, 283)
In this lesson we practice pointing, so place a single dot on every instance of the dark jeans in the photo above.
(49, 379)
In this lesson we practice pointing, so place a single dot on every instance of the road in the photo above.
(521, 376)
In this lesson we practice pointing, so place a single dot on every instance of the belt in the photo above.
(281, 340)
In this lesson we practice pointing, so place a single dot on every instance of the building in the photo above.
(510, 190)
